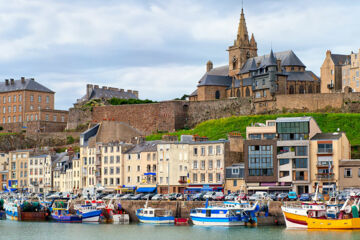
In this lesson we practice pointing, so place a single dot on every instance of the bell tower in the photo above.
(242, 49)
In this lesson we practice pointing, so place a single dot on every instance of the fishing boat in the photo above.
(12, 209)
(113, 213)
(226, 214)
(154, 215)
(32, 210)
(90, 211)
(62, 212)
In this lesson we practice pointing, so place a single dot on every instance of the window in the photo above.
(202, 151)
(14, 119)
(195, 164)
(105, 181)
(217, 94)
(195, 150)
(284, 161)
(105, 160)
(105, 171)
(301, 151)
(111, 159)
(111, 170)
(347, 172)
(148, 156)
(202, 164)
(300, 163)
(137, 179)
(9, 119)
(9, 99)
(129, 168)
(210, 177)
(47, 99)
(39, 99)
(210, 164)
(129, 157)
(260, 160)
(62, 119)
(218, 164)
(234, 182)
(20, 98)
(4, 109)
(4, 100)
(54, 118)
(210, 149)
(14, 109)
(202, 177)
(138, 156)
(117, 159)
(138, 168)
(255, 136)
(9, 109)
(325, 148)
(218, 177)
(269, 136)
(47, 117)
(20, 108)
(195, 177)
(117, 170)
(218, 150)
(284, 174)
(31, 98)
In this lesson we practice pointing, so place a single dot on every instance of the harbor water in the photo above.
(13, 230)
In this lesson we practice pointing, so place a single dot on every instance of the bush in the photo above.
(69, 140)
(118, 101)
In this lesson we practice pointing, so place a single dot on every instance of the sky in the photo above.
(159, 48)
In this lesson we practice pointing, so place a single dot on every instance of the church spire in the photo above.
(242, 36)
(252, 41)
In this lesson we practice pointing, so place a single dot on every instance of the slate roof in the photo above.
(288, 58)
(340, 59)
(246, 82)
(327, 136)
(301, 76)
(194, 93)
(150, 146)
(216, 77)
(29, 84)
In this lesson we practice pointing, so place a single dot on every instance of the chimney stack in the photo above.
(6, 82)
(328, 53)
(96, 86)
(104, 87)
(12, 81)
(136, 93)
(129, 91)
(121, 90)
(22, 80)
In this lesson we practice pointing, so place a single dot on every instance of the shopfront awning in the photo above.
(146, 190)
(267, 188)
(150, 173)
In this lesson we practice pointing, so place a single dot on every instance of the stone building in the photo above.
(36, 172)
(326, 151)
(349, 174)
(26, 104)
(235, 178)
(250, 75)
(340, 73)
(105, 93)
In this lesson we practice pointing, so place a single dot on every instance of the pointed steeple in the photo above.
(252, 41)
(242, 36)
(253, 66)
(272, 59)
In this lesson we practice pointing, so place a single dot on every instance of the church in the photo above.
(250, 75)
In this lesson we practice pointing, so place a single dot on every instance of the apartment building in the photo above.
(326, 152)
(76, 173)
(208, 160)
(4, 171)
(140, 165)
(18, 169)
(293, 152)
(36, 172)
(349, 174)
(60, 165)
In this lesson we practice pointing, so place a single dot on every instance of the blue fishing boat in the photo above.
(61, 212)
(155, 215)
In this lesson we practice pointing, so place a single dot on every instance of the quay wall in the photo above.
(182, 209)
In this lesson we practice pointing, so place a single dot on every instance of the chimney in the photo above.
(129, 91)
(12, 81)
(278, 62)
(22, 80)
(104, 87)
(136, 93)
(209, 66)
(89, 88)
(328, 53)
(6, 82)
(96, 86)
(32, 79)
(121, 90)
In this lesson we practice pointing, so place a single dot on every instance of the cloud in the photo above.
(158, 47)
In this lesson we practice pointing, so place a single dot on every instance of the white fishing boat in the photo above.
(154, 215)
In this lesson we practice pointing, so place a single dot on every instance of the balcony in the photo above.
(98, 163)
(325, 151)
(325, 176)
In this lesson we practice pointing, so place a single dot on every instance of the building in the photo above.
(235, 178)
(340, 73)
(141, 160)
(250, 75)
(326, 151)
(60, 165)
(349, 174)
(293, 151)
(106, 93)
(18, 169)
(4, 171)
(36, 172)
(26, 103)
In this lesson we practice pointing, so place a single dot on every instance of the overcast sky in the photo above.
(158, 47)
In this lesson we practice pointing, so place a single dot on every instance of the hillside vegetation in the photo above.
(219, 128)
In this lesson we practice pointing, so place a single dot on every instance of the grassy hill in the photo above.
(218, 128)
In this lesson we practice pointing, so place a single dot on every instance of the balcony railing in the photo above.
(325, 151)
(324, 176)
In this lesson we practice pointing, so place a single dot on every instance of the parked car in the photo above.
(305, 197)
(282, 197)
(209, 195)
(198, 197)
(119, 195)
(137, 196)
(157, 197)
(147, 196)
(243, 197)
(342, 196)
(108, 197)
(231, 196)
(273, 196)
(174, 196)
(218, 196)
(292, 196)
(181, 196)
(127, 196)
(319, 196)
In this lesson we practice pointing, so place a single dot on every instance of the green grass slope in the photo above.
(219, 128)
